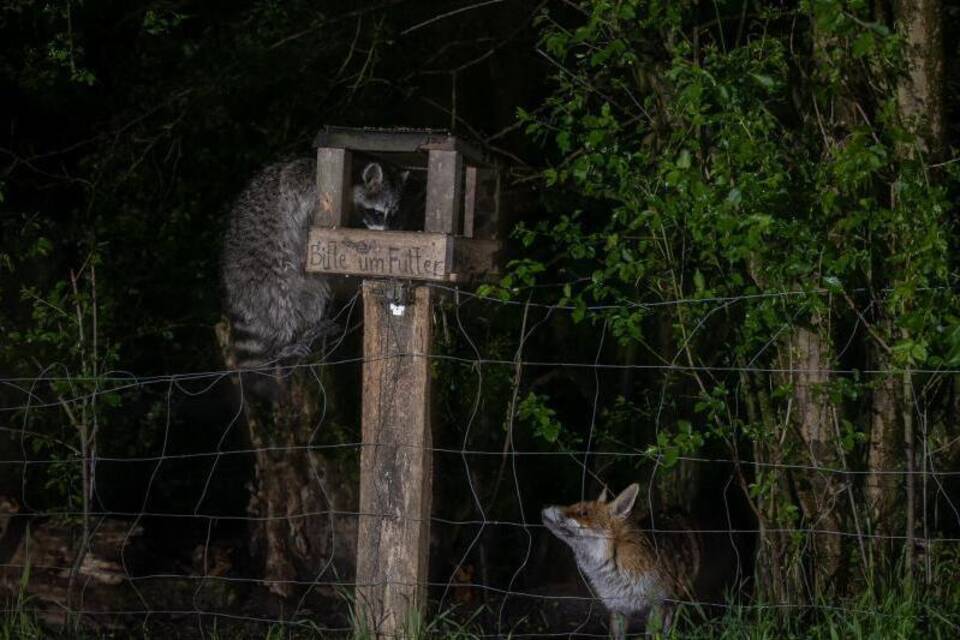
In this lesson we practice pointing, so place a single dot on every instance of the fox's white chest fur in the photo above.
(621, 590)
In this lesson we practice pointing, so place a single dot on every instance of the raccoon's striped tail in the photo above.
(258, 357)
(254, 355)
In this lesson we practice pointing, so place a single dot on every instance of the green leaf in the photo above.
(42, 247)
(765, 81)
(864, 44)
(833, 283)
(698, 282)
(670, 456)
(579, 311)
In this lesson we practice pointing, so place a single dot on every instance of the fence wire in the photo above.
(163, 522)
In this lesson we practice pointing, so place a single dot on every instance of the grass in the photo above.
(893, 614)
(896, 613)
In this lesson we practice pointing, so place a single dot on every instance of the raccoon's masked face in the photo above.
(377, 198)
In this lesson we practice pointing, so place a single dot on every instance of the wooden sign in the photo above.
(404, 255)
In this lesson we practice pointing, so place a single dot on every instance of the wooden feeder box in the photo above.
(457, 243)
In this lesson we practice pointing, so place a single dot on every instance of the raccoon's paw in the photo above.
(296, 351)
(322, 329)
(303, 347)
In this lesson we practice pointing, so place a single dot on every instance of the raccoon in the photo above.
(378, 200)
(276, 309)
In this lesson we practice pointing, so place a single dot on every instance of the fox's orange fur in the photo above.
(633, 571)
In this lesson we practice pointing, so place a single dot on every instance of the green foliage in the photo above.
(672, 445)
(66, 331)
(161, 22)
(757, 157)
(715, 159)
(539, 418)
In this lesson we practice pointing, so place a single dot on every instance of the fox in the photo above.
(633, 572)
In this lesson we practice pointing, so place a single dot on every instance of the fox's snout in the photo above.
(553, 519)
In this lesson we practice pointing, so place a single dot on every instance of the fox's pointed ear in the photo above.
(622, 505)
(603, 496)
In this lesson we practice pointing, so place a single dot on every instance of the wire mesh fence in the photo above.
(133, 499)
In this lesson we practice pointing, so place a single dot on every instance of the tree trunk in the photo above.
(884, 454)
(773, 553)
(818, 491)
(298, 532)
(920, 94)
(921, 106)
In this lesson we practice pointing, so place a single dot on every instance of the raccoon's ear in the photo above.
(603, 496)
(622, 505)
(403, 177)
(373, 176)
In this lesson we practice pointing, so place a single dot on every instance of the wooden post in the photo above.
(396, 459)
(333, 187)
(444, 191)
(395, 462)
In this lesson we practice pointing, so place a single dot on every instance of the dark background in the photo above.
(126, 131)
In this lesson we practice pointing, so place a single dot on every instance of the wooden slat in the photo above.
(334, 199)
(486, 218)
(386, 254)
(395, 462)
(469, 199)
(396, 141)
(481, 202)
(401, 255)
(386, 141)
(444, 192)
(468, 151)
